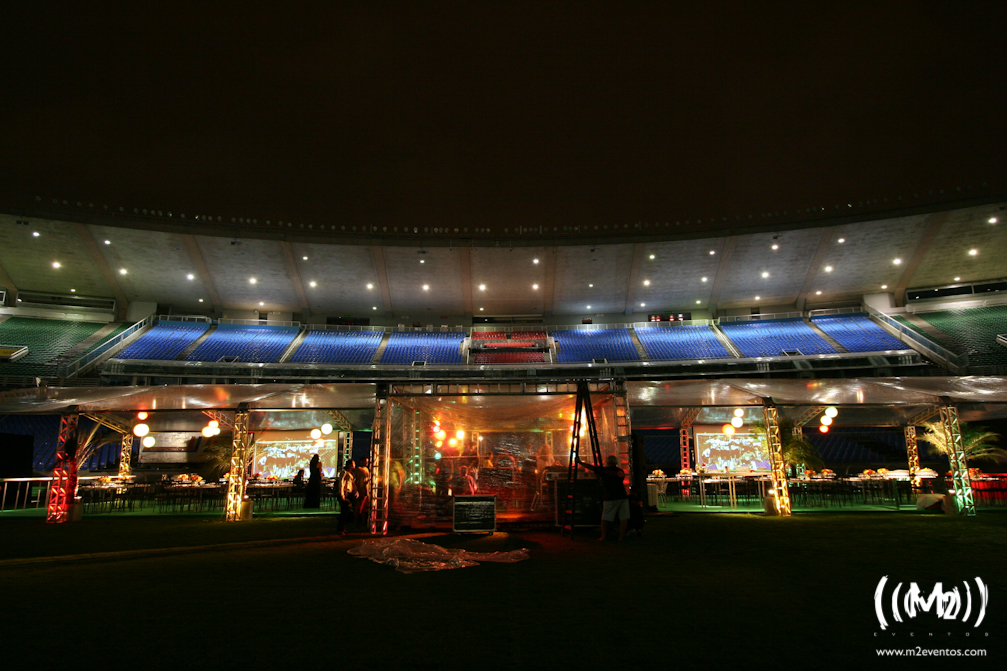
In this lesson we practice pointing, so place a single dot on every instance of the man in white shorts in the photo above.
(614, 494)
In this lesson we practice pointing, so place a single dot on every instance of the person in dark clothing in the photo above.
(346, 489)
(299, 478)
(313, 492)
(614, 494)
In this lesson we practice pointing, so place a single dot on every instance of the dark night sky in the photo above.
(500, 113)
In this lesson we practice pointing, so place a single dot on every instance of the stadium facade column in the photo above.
(64, 473)
(684, 435)
(237, 478)
(912, 455)
(378, 490)
(961, 482)
(778, 468)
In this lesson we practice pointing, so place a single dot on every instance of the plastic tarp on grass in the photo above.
(411, 556)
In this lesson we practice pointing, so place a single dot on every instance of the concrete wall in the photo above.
(882, 302)
(138, 310)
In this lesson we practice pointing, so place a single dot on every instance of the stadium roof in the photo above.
(271, 269)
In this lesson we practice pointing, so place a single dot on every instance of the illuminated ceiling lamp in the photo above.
(141, 430)
(142, 415)
(823, 428)
(831, 412)
(149, 441)
(326, 429)
(737, 422)
(738, 412)
(728, 429)
(316, 434)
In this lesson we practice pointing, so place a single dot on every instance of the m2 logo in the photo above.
(941, 603)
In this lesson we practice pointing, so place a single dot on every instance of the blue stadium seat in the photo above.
(355, 347)
(256, 344)
(431, 347)
(681, 342)
(165, 341)
(583, 346)
(772, 338)
(858, 333)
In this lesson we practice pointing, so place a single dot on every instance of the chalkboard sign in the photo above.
(475, 514)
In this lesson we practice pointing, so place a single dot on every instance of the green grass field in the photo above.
(695, 591)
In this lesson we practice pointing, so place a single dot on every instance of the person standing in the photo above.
(614, 494)
(363, 480)
(313, 492)
(346, 490)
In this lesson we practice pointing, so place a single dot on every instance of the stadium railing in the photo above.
(86, 362)
(957, 362)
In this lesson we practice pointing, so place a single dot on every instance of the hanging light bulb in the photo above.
(452, 442)
(441, 435)
(460, 434)
(207, 432)
(737, 422)
(216, 430)
(141, 415)
(213, 424)
(727, 429)
(831, 411)
(439, 443)
(149, 441)
(316, 433)
(823, 428)
(141, 430)
(326, 428)
(738, 412)
(826, 420)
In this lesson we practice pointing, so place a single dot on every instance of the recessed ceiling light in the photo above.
(828, 269)
(34, 234)
(646, 283)
(973, 252)
(958, 279)
(122, 271)
(426, 287)
(482, 287)
(993, 220)
(423, 261)
(897, 261)
(841, 240)
(312, 284)
(534, 286)
(818, 293)
(55, 264)
(304, 258)
(375, 307)
(200, 300)
(590, 285)
(261, 303)
(588, 307)
(765, 274)
(643, 305)
(73, 291)
(652, 256)
(190, 276)
(884, 286)
(370, 286)
(712, 252)
(704, 279)
(251, 280)
(481, 309)
(758, 298)
(108, 242)
(534, 260)
(776, 246)
(697, 302)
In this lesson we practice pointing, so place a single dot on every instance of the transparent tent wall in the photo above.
(515, 448)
